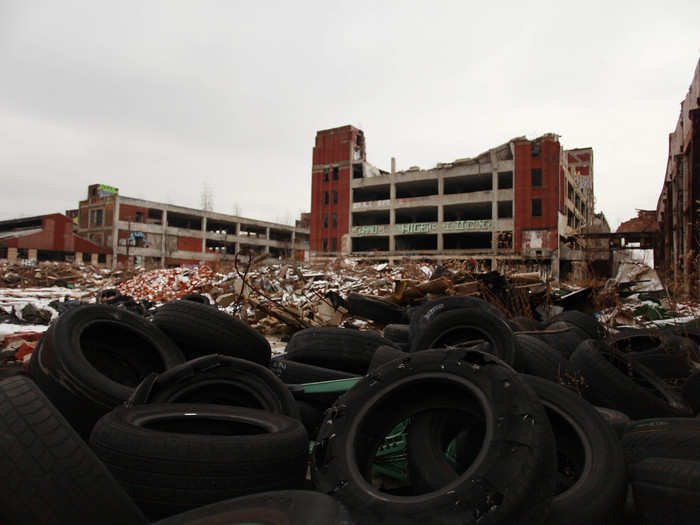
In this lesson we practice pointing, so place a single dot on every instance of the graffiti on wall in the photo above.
(423, 227)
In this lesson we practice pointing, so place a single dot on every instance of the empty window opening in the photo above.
(220, 247)
(154, 216)
(373, 193)
(221, 227)
(23, 253)
(504, 240)
(334, 220)
(536, 177)
(139, 216)
(250, 230)
(335, 172)
(537, 207)
(280, 235)
(420, 188)
(467, 241)
(570, 219)
(335, 197)
(536, 149)
(325, 198)
(87, 257)
(570, 191)
(325, 174)
(505, 209)
(325, 220)
(505, 180)
(368, 218)
(467, 212)
(410, 215)
(324, 245)
(578, 202)
(357, 170)
(468, 183)
(404, 243)
(370, 244)
(334, 244)
(187, 222)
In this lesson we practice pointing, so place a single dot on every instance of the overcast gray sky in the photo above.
(159, 98)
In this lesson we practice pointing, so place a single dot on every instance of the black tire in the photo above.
(590, 459)
(375, 309)
(517, 459)
(615, 419)
(50, 476)
(667, 491)
(664, 365)
(284, 507)
(565, 342)
(612, 381)
(91, 358)
(456, 326)
(586, 322)
(525, 324)
(337, 348)
(218, 380)
(172, 458)
(293, 373)
(534, 356)
(691, 391)
(383, 355)
(105, 296)
(425, 313)
(196, 298)
(398, 333)
(200, 329)
(311, 415)
(662, 438)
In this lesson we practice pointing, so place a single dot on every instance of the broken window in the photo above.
(537, 207)
(325, 174)
(335, 197)
(325, 198)
(335, 172)
(536, 149)
(505, 209)
(570, 219)
(23, 253)
(325, 220)
(334, 244)
(578, 202)
(505, 180)
(505, 240)
(324, 244)
(536, 175)
(578, 222)
(96, 218)
(570, 192)
(139, 216)
(357, 171)
(334, 220)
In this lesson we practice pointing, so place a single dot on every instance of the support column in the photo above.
(267, 237)
(34, 254)
(494, 204)
(78, 258)
(93, 259)
(440, 220)
(12, 255)
(238, 235)
(164, 240)
(204, 234)
(392, 215)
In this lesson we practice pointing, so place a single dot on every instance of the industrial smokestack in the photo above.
(393, 164)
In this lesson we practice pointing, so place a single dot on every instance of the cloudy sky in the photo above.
(162, 98)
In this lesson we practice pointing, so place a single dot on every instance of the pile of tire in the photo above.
(126, 419)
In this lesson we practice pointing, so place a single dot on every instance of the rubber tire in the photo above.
(617, 420)
(494, 330)
(525, 324)
(383, 355)
(677, 438)
(664, 365)
(397, 333)
(168, 470)
(284, 507)
(534, 356)
(578, 428)
(196, 298)
(691, 391)
(200, 329)
(83, 387)
(336, 348)
(50, 476)
(424, 314)
(218, 380)
(311, 415)
(375, 309)
(517, 460)
(586, 322)
(566, 342)
(667, 491)
(609, 387)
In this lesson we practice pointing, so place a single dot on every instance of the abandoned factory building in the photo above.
(678, 208)
(513, 202)
(162, 234)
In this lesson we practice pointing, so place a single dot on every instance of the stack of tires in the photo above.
(127, 420)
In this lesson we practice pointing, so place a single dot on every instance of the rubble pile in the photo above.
(60, 274)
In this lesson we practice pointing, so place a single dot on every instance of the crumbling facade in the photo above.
(47, 238)
(678, 207)
(160, 234)
(511, 203)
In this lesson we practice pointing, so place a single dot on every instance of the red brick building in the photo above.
(514, 201)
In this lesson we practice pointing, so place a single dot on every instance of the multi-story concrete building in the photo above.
(164, 234)
(678, 208)
(512, 202)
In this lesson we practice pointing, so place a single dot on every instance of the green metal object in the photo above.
(335, 385)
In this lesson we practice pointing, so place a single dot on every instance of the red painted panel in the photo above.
(189, 244)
